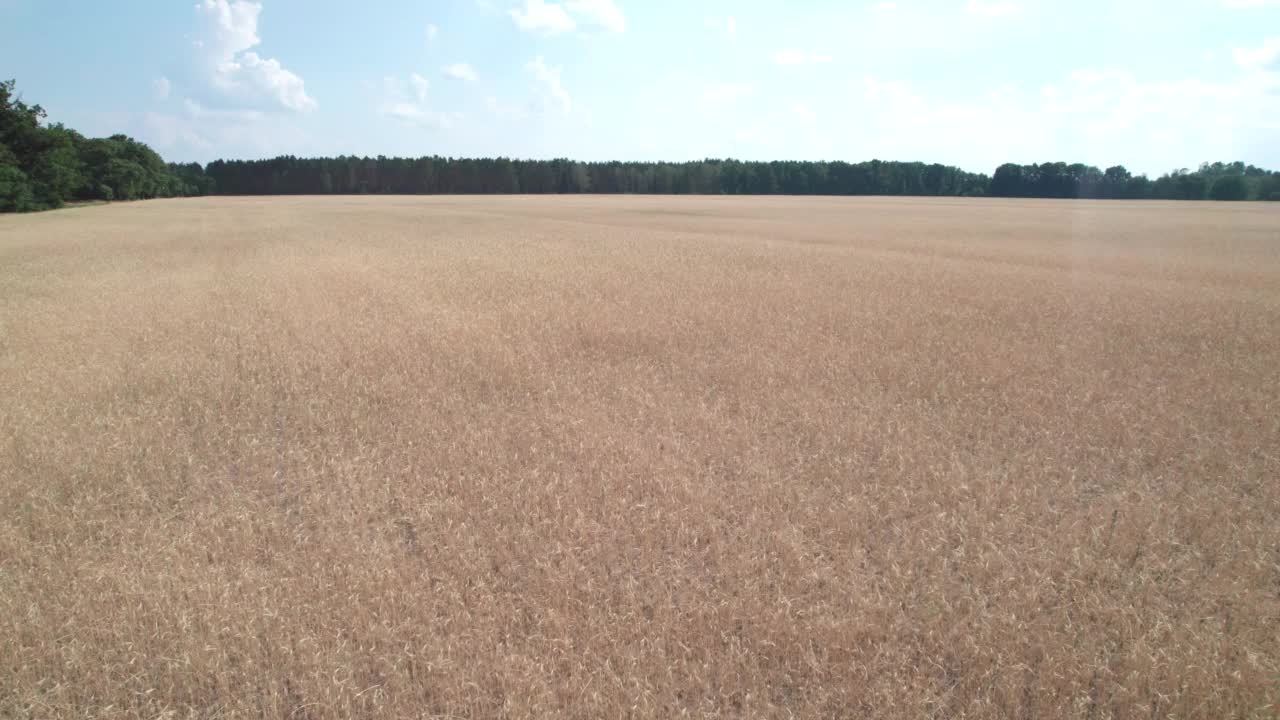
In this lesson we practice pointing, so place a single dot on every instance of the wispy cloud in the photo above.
(406, 101)
(1266, 57)
(601, 14)
(552, 18)
(548, 86)
(542, 17)
(420, 87)
(803, 112)
(460, 71)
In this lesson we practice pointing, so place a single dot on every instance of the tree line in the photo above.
(344, 175)
(46, 165)
(432, 175)
(1212, 181)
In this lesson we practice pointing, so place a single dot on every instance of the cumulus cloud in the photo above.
(226, 104)
(796, 58)
(255, 75)
(460, 71)
(552, 18)
(548, 86)
(230, 29)
(406, 101)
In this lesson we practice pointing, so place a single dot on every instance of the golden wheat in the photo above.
(645, 457)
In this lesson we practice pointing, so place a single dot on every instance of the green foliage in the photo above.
(429, 175)
(1230, 187)
(1269, 187)
(15, 187)
(1217, 181)
(43, 166)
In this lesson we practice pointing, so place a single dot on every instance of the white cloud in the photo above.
(232, 26)
(196, 111)
(253, 75)
(420, 87)
(407, 102)
(411, 114)
(727, 25)
(230, 30)
(460, 71)
(796, 58)
(603, 14)
(552, 18)
(547, 83)
(160, 88)
(432, 32)
(994, 8)
(544, 17)
(1265, 58)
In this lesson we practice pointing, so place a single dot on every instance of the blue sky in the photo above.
(1151, 85)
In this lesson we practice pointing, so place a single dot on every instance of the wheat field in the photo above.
(593, 457)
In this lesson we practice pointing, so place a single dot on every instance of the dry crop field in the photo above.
(594, 457)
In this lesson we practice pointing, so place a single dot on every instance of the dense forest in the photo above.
(1213, 181)
(430, 175)
(47, 165)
